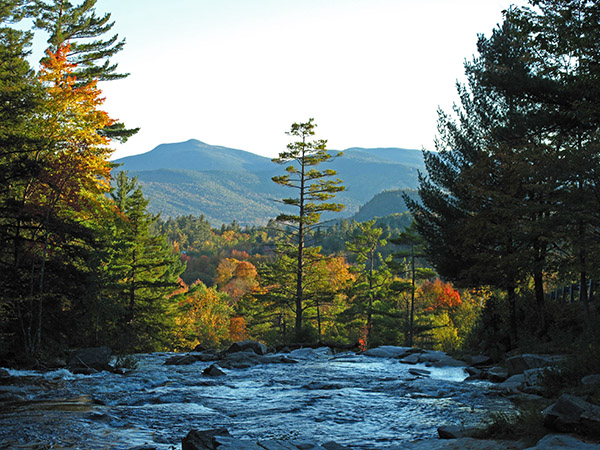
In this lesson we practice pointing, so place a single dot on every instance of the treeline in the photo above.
(78, 263)
(511, 197)
(238, 285)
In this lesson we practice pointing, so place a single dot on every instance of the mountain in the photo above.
(226, 184)
(384, 204)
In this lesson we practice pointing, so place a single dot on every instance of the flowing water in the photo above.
(355, 400)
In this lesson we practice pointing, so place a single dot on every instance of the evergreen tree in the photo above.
(143, 271)
(411, 239)
(84, 31)
(314, 190)
(373, 275)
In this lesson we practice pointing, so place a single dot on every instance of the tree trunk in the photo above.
(512, 316)
(412, 299)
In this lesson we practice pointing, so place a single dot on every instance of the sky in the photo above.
(238, 73)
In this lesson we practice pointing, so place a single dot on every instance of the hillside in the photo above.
(384, 204)
(227, 184)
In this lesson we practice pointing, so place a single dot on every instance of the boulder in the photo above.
(497, 374)
(388, 351)
(276, 445)
(97, 358)
(257, 347)
(180, 360)
(213, 371)
(562, 441)
(450, 432)
(532, 376)
(571, 413)
(590, 380)
(419, 372)
(4, 373)
(410, 359)
(520, 363)
(480, 360)
(475, 373)
(331, 445)
(203, 440)
(512, 385)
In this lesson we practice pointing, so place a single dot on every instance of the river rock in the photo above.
(562, 441)
(410, 359)
(497, 374)
(4, 373)
(451, 432)
(480, 360)
(388, 351)
(257, 347)
(590, 379)
(203, 440)
(458, 444)
(331, 445)
(520, 363)
(419, 372)
(91, 358)
(213, 371)
(181, 360)
(277, 445)
(572, 413)
(512, 385)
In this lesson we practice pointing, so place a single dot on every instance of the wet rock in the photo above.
(497, 374)
(532, 376)
(206, 356)
(302, 445)
(239, 360)
(419, 372)
(458, 444)
(571, 413)
(331, 445)
(180, 360)
(561, 441)
(240, 444)
(512, 385)
(213, 371)
(520, 363)
(96, 358)
(475, 373)
(200, 348)
(303, 353)
(480, 360)
(4, 373)
(276, 445)
(388, 351)
(410, 359)
(450, 432)
(203, 440)
(144, 447)
(590, 380)
(257, 347)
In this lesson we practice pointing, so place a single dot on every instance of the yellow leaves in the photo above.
(75, 162)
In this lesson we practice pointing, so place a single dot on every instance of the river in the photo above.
(355, 400)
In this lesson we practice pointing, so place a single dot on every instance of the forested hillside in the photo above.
(224, 184)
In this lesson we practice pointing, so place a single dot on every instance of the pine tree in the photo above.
(143, 271)
(84, 31)
(314, 190)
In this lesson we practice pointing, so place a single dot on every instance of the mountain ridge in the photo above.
(226, 184)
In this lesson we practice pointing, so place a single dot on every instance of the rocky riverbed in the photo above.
(356, 400)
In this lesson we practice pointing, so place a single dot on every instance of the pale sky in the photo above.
(238, 73)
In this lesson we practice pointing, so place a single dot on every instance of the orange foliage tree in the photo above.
(202, 317)
(61, 200)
